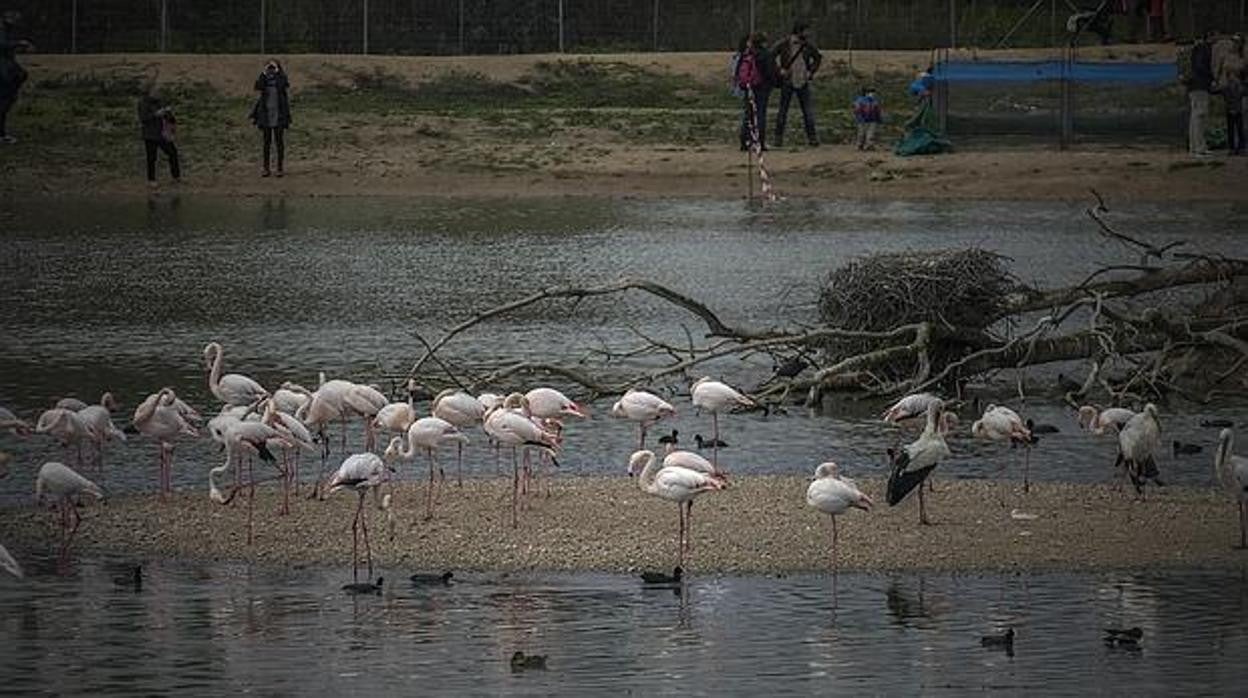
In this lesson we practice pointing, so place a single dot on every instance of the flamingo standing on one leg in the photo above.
(642, 407)
(1232, 473)
(1138, 445)
(915, 462)
(511, 426)
(66, 426)
(1003, 424)
(232, 388)
(1108, 421)
(322, 409)
(99, 421)
(253, 438)
(360, 472)
(715, 397)
(366, 401)
(427, 433)
(59, 485)
(550, 407)
(834, 495)
(675, 484)
(909, 407)
(297, 435)
(159, 417)
(462, 410)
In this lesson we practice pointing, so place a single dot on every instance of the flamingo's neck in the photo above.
(214, 374)
(1222, 460)
(646, 480)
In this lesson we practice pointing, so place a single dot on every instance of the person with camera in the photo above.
(12, 75)
(271, 113)
(156, 124)
(798, 61)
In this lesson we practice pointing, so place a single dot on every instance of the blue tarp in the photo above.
(1038, 71)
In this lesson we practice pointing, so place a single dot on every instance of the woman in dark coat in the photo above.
(272, 112)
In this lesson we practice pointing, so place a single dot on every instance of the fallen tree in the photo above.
(898, 323)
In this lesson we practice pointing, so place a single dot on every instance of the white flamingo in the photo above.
(549, 408)
(60, 487)
(675, 484)
(909, 407)
(916, 461)
(1110, 420)
(834, 495)
(511, 426)
(366, 401)
(295, 433)
(72, 404)
(288, 400)
(8, 564)
(322, 409)
(1138, 445)
(159, 417)
(642, 407)
(99, 421)
(427, 434)
(462, 410)
(253, 438)
(715, 397)
(231, 388)
(1003, 424)
(66, 427)
(360, 472)
(1232, 473)
(11, 422)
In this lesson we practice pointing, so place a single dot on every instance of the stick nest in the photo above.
(964, 288)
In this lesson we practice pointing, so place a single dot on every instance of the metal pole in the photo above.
(560, 26)
(751, 16)
(262, 27)
(461, 27)
(953, 23)
(164, 25)
(366, 27)
(1053, 23)
(656, 26)
(73, 27)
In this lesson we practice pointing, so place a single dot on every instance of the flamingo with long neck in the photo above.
(1232, 473)
(675, 484)
(159, 417)
(360, 472)
(462, 410)
(62, 487)
(232, 388)
(510, 425)
(426, 433)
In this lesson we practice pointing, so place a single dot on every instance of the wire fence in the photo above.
(448, 27)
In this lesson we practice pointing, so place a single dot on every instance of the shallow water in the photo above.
(122, 296)
(213, 629)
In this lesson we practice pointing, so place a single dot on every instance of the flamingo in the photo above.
(510, 426)
(675, 484)
(99, 422)
(72, 404)
(834, 495)
(321, 409)
(288, 400)
(1003, 424)
(62, 488)
(66, 426)
(15, 426)
(427, 433)
(232, 388)
(1110, 420)
(715, 397)
(916, 461)
(366, 401)
(551, 407)
(395, 418)
(360, 472)
(1232, 473)
(252, 438)
(336, 393)
(8, 564)
(692, 461)
(159, 417)
(1138, 444)
(297, 435)
(462, 410)
(642, 407)
(909, 407)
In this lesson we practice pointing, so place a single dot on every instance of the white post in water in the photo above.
(164, 25)
(365, 26)
(560, 26)
(262, 27)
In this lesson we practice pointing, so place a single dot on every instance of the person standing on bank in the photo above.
(755, 75)
(798, 60)
(1198, 85)
(272, 113)
(1230, 84)
(12, 75)
(156, 123)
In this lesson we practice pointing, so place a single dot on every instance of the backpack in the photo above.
(749, 75)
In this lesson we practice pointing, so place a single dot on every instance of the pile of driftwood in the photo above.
(898, 323)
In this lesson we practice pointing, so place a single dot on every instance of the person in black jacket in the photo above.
(1198, 85)
(156, 124)
(797, 62)
(12, 75)
(271, 114)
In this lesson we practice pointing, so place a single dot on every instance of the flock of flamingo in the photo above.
(278, 426)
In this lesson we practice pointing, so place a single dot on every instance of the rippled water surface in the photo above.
(122, 296)
(217, 629)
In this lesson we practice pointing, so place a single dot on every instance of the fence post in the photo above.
(365, 27)
(953, 23)
(461, 27)
(560, 26)
(164, 25)
(656, 26)
(751, 16)
(73, 27)
(263, 19)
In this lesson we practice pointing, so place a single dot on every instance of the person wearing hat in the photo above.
(1229, 82)
(798, 61)
(12, 75)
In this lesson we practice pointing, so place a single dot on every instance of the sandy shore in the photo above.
(760, 525)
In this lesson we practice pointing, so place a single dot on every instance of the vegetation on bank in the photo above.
(561, 113)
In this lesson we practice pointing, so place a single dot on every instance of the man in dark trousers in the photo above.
(12, 75)
(798, 60)
(156, 126)
(1199, 82)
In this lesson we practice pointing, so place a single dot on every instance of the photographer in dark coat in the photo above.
(156, 126)
(272, 113)
(12, 75)
(797, 60)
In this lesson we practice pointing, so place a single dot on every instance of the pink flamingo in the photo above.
(834, 495)
(160, 418)
(675, 484)
(62, 488)
(360, 472)
(642, 407)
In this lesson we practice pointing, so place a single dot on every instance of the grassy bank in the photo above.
(760, 525)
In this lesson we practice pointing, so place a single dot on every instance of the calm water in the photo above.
(217, 629)
(103, 295)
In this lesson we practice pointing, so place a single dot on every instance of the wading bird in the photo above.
(1110, 420)
(909, 407)
(99, 422)
(65, 426)
(159, 417)
(511, 426)
(426, 433)
(715, 397)
(1003, 424)
(360, 472)
(675, 484)
(15, 426)
(642, 407)
(462, 410)
(1232, 473)
(834, 495)
(1138, 445)
(231, 388)
(916, 461)
(59, 487)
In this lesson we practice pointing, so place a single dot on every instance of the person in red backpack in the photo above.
(756, 74)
